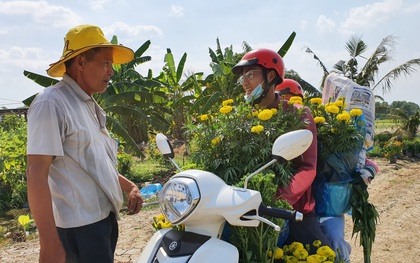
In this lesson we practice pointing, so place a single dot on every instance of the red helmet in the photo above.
(289, 86)
(264, 57)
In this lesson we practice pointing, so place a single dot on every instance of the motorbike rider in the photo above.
(261, 71)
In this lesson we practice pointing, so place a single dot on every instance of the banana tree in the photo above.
(180, 94)
(129, 105)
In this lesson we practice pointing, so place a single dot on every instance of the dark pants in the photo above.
(94, 243)
(306, 232)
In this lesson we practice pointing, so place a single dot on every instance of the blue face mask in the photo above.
(255, 94)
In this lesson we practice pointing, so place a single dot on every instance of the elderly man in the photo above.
(74, 188)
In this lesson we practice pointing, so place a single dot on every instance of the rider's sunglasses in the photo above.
(249, 75)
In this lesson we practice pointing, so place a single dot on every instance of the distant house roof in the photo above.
(19, 111)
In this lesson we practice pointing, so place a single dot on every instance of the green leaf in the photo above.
(283, 50)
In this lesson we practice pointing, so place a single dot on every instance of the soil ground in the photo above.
(395, 192)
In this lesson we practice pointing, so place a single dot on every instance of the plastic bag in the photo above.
(332, 199)
(150, 190)
(332, 187)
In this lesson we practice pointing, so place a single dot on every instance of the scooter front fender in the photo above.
(214, 251)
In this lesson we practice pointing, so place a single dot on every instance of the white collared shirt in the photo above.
(64, 122)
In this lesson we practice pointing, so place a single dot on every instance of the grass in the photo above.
(386, 125)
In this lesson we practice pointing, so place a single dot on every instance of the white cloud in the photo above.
(27, 58)
(133, 31)
(177, 11)
(371, 15)
(97, 5)
(42, 13)
(303, 25)
(324, 24)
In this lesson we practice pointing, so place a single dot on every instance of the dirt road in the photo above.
(395, 192)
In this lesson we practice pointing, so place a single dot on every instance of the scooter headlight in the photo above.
(178, 198)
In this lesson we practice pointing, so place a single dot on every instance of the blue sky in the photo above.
(32, 33)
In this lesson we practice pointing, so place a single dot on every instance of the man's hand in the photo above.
(366, 176)
(135, 201)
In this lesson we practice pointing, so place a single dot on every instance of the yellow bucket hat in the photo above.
(82, 38)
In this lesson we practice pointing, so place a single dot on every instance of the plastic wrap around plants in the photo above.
(332, 187)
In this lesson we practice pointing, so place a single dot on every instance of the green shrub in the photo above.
(382, 138)
(125, 161)
(12, 162)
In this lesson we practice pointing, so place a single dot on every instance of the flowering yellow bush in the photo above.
(338, 130)
(236, 139)
(297, 252)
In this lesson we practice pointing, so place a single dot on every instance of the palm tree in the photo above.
(367, 74)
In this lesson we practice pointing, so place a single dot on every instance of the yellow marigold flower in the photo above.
(315, 259)
(227, 102)
(343, 116)
(295, 246)
(278, 253)
(332, 109)
(301, 254)
(295, 99)
(274, 111)
(257, 129)
(291, 259)
(315, 101)
(160, 217)
(317, 243)
(204, 117)
(225, 109)
(339, 103)
(265, 115)
(326, 251)
(319, 119)
(166, 225)
(356, 112)
(254, 113)
(216, 140)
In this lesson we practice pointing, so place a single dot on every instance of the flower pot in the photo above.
(393, 159)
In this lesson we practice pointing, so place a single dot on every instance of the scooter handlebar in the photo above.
(280, 213)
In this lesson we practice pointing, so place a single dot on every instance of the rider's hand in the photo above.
(366, 176)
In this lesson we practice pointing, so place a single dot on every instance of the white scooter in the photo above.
(203, 202)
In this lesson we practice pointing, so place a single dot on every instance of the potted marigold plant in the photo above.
(392, 149)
